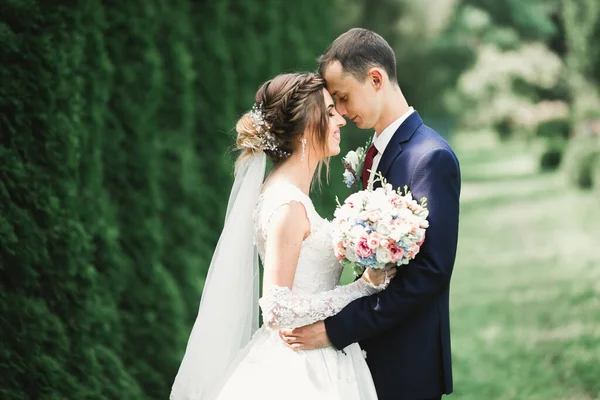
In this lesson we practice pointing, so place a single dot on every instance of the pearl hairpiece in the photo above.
(268, 140)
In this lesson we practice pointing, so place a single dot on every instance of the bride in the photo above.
(295, 124)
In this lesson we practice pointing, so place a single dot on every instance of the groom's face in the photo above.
(355, 100)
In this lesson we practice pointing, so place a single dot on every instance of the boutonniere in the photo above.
(353, 162)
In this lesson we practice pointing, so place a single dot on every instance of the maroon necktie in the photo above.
(368, 164)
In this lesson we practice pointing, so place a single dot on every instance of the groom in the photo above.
(405, 329)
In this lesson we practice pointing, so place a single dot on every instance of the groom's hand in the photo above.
(307, 337)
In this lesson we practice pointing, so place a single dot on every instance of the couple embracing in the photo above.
(386, 335)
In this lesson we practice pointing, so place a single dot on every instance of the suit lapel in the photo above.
(394, 147)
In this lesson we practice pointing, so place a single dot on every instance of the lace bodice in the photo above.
(315, 294)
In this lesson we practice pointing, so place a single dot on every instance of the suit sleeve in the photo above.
(437, 177)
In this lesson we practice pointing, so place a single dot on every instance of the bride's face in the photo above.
(336, 121)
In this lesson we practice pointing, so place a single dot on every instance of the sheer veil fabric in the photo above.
(228, 314)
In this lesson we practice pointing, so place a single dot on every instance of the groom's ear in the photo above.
(376, 77)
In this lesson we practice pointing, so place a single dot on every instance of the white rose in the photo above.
(383, 255)
(351, 254)
(352, 159)
(356, 232)
(374, 216)
(419, 234)
(404, 229)
(363, 216)
(395, 233)
(356, 199)
(339, 213)
(386, 215)
(405, 213)
(345, 227)
(343, 212)
(383, 229)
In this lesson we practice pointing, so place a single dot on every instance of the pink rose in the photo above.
(413, 251)
(362, 248)
(396, 252)
(373, 241)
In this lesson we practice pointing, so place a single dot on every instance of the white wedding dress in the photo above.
(266, 368)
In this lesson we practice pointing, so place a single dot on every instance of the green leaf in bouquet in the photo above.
(358, 269)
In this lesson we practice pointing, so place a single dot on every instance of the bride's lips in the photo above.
(337, 136)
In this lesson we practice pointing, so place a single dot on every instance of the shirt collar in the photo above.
(380, 142)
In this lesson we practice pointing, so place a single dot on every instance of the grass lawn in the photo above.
(525, 300)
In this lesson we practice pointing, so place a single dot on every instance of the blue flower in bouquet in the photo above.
(369, 261)
(349, 178)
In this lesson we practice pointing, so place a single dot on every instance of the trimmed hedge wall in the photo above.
(116, 122)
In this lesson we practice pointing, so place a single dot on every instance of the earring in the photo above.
(303, 149)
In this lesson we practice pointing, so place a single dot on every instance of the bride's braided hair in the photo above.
(289, 105)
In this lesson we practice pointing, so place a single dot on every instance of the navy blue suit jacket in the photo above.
(405, 329)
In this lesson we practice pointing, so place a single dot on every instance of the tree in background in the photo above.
(581, 20)
(516, 81)
(501, 89)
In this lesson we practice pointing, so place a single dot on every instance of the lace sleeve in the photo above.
(283, 309)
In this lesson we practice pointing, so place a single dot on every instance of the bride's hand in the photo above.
(379, 278)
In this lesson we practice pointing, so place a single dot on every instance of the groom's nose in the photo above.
(341, 109)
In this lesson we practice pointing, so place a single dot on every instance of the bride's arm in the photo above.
(288, 227)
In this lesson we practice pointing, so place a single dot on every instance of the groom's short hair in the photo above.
(358, 50)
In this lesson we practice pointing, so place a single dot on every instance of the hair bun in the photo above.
(248, 138)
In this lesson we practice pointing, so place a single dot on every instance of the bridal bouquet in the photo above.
(378, 227)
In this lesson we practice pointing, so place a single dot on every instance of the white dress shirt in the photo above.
(382, 140)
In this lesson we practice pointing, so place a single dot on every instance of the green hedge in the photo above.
(116, 122)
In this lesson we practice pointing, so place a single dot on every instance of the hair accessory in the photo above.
(268, 140)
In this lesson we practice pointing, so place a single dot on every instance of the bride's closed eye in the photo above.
(330, 110)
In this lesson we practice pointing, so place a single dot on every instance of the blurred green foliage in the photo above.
(581, 161)
(555, 133)
(115, 120)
